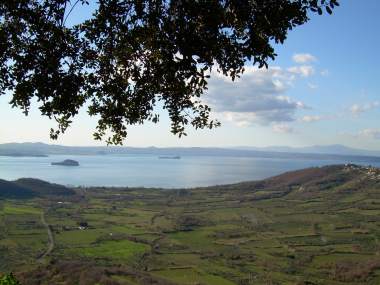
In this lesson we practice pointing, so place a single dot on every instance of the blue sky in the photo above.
(323, 88)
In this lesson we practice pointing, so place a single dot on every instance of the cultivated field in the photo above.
(315, 226)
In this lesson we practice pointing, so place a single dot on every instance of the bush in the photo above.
(9, 280)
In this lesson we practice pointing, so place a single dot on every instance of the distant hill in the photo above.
(10, 190)
(335, 149)
(331, 182)
(26, 188)
(312, 152)
(43, 188)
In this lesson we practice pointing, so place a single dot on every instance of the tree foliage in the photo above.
(8, 279)
(132, 55)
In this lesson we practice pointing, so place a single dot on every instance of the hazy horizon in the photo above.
(55, 143)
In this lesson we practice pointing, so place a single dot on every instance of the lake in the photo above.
(150, 171)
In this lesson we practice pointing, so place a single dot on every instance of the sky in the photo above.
(323, 88)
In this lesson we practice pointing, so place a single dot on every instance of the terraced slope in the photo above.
(313, 226)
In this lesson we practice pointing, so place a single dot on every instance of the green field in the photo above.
(316, 226)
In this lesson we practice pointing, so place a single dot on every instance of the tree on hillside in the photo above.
(131, 54)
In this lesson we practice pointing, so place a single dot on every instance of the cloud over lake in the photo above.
(258, 97)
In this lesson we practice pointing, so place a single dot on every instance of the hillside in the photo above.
(43, 188)
(10, 190)
(309, 183)
(26, 188)
(312, 226)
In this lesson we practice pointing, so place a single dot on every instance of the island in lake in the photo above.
(66, 162)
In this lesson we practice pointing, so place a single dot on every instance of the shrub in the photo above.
(9, 280)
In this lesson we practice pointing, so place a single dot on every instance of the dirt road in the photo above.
(50, 238)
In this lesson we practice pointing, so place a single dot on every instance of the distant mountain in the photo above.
(23, 149)
(312, 152)
(335, 149)
(26, 188)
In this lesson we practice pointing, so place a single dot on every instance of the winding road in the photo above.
(50, 236)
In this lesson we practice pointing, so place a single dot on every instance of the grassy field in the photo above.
(315, 226)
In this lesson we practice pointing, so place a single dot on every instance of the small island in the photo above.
(66, 162)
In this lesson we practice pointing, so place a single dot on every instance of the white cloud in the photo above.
(325, 72)
(282, 128)
(370, 133)
(357, 109)
(304, 58)
(239, 119)
(258, 97)
(302, 70)
(317, 118)
(310, 119)
(312, 86)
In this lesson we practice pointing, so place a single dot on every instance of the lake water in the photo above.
(150, 171)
